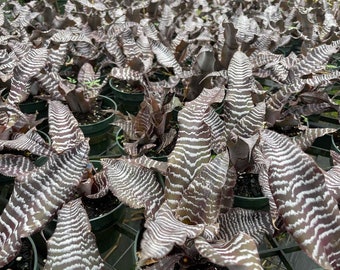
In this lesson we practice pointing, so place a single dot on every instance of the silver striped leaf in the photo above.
(112, 46)
(99, 183)
(329, 26)
(164, 56)
(2, 16)
(63, 127)
(238, 253)
(238, 98)
(32, 62)
(332, 176)
(137, 5)
(126, 73)
(30, 141)
(149, 29)
(13, 165)
(254, 223)
(193, 145)
(57, 56)
(201, 200)
(150, 163)
(133, 185)
(163, 232)
(69, 34)
(306, 138)
(246, 27)
(72, 245)
(49, 82)
(38, 195)
(249, 124)
(7, 64)
(323, 79)
(129, 45)
(276, 101)
(309, 109)
(310, 213)
(166, 19)
(315, 60)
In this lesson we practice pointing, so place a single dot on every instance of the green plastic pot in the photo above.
(99, 132)
(126, 102)
(35, 265)
(254, 203)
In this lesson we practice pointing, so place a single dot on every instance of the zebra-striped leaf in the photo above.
(164, 56)
(307, 137)
(202, 198)
(126, 73)
(63, 127)
(238, 253)
(238, 99)
(13, 165)
(27, 67)
(332, 176)
(254, 223)
(30, 141)
(303, 201)
(163, 232)
(133, 185)
(193, 145)
(72, 244)
(37, 196)
(316, 60)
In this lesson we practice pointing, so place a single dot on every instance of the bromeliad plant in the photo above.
(192, 222)
(39, 192)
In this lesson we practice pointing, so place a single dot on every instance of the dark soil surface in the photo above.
(24, 260)
(100, 206)
(126, 87)
(98, 114)
(247, 185)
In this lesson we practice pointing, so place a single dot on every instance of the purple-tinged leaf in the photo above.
(315, 60)
(27, 67)
(164, 56)
(238, 253)
(201, 200)
(13, 165)
(193, 145)
(64, 128)
(133, 185)
(30, 141)
(306, 138)
(310, 213)
(163, 232)
(37, 195)
(254, 223)
(72, 244)
(332, 176)
(126, 73)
